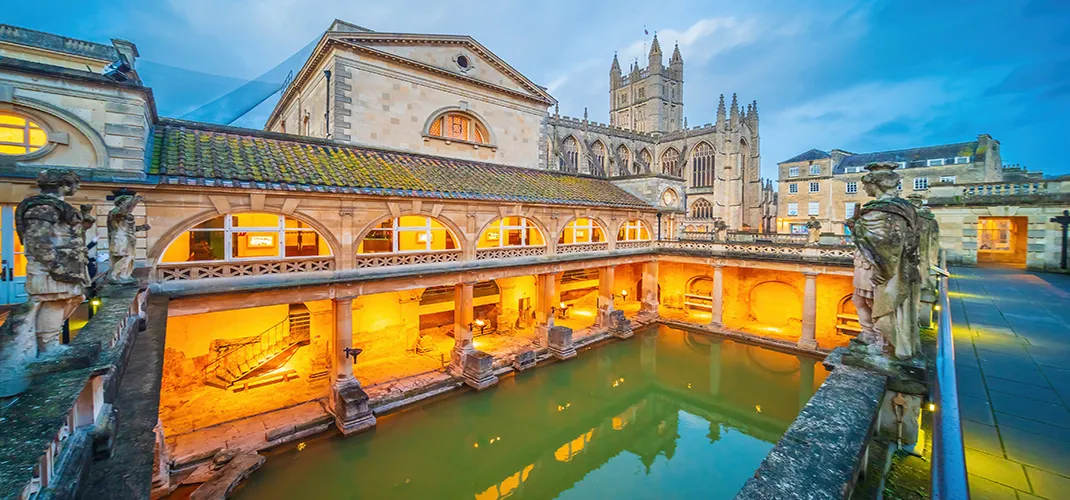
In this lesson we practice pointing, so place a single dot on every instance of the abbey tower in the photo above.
(650, 99)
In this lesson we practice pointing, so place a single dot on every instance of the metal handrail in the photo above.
(949, 458)
(270, 335)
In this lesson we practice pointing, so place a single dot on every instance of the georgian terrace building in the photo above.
(431, 223)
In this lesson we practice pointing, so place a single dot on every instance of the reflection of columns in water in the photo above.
(462, 318)
(715, 367)
(717, 310)
(343, 338)
(648, 354)
(806, 380)
(808, 339)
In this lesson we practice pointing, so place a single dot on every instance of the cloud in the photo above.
(701, 41)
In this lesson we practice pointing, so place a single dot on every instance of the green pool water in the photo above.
(666, 414)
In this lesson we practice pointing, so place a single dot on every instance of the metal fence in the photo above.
(949, 458)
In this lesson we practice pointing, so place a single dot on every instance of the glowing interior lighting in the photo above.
(937, 307)
(932, 406)
(480, 322)
(95, 302)
(758, 408)
(562, 305)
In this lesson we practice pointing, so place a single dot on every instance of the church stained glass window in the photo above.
(670, 162)
(702, 209)
(570, 150)
(598, 155)
(702, 159)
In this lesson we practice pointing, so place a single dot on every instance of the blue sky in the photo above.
(862, 76)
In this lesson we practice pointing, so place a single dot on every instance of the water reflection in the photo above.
(668, 414)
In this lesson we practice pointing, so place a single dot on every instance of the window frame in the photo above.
(636, 225)
(793, 188)
(815, 187)
(965, 160)
(933, 162)
(850, 187)
(813, 208)
(591, 226)
(793, 171)
(525, 225)
(31, 123)
(947, 179)
(476, 127)
(924, 184)
(229, 231)
(395, 235)
(815, 169)
(793, 209)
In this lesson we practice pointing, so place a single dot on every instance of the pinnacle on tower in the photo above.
(755, 104)
(733, 119)
(655, 47)
(616, 64)
(676, 57)
(720, 114)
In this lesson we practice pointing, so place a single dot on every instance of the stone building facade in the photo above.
(827, 185)
(648, 99)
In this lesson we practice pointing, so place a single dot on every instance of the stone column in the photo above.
(808, 340)
(462, 332)
(349, 402)
(717, 310)
(649, 306)
(605, 295)
(345, 260)
(545, 301)
(343, 338)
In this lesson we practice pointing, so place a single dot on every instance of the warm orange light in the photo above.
(932, 407)
(937, 307)
(480, 322)
(562, 305)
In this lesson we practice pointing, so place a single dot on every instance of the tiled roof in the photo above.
(813, 154)
(188, 153)
(914, 157)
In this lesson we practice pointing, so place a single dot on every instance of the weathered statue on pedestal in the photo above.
(122, 238)
(720, 230)
(813, 231)
(928, 255)
(886, 276)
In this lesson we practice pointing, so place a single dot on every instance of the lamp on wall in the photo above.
(624, 295)
(481, 324)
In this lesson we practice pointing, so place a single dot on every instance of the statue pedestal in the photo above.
(560, 343)
(478, 370)
(349, 403)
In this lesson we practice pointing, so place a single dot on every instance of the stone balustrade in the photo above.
(987, 193)
(832, 254)
(582, 248)
(406, 259)
(199, 270)
(509, 252)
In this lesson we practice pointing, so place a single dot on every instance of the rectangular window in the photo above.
(814, 208)
(902, 164)
(921, 183)
(815, 169)
(939, 162)
(852, 170)
(947, 179)
(848, 210)
(793, 172)
(793, 209)
(793, 188)
(959, 160)
(852, 187)
(798, 229)
(815, 187)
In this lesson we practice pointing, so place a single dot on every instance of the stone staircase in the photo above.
(278, 342)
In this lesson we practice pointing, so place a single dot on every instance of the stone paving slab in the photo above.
(1012, 347)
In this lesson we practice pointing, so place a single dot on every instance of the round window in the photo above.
(462, 61)
(19, 135)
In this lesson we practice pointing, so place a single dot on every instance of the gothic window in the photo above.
(408, 233)
(625, 159)
(571, 152)
(642, 92)
(598, 157)
(702, 166)
(511, 232)
(644, 161)
(582, 230)
(741, 159)
(458, 127)
(702, 209)
(670, 162)
(19, 135)
(246, 236)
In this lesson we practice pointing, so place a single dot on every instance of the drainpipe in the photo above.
(659, 226)
(327, 109)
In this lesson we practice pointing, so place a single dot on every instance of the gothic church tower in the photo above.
(649, 99)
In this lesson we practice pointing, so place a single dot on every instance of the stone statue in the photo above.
(928, 255)
(56, 257)
(720, 230)
(813, 231)
(122, 237)
(886, 277)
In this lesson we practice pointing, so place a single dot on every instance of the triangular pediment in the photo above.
(455, 55)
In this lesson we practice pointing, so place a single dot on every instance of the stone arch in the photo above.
(625, 223)
(701, 208)
(491, 139)
(455, 231)
(156, 252)
(570, 154)
(702, 171)
(43, 113)
(598, 155)
(846, 305)
(645, 163)
(539, 225)
(775, 304)
(624, 156)
(556, 236)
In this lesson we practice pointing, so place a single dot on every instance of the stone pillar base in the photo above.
(619, 326)
(560, 343)
(808, 344)
(479, 370)
(524, 359)
(349, 403)
(925, 314)
(542, 334)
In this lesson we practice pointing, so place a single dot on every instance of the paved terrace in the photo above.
(1012, 352)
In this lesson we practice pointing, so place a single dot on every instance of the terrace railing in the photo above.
(949, 458)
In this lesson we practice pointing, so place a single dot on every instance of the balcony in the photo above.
(201, 270)
(999, 193)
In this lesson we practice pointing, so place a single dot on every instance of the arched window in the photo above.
(456, 126)
(598, 159)
(645, 160)
(247, 236)
(670, 162)
(511, 232)
(633, 230)
(19, 135)
(702, 209)
(625, 158)
(702, 166)
(570, 150)
(582, 230)
(408, 233)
